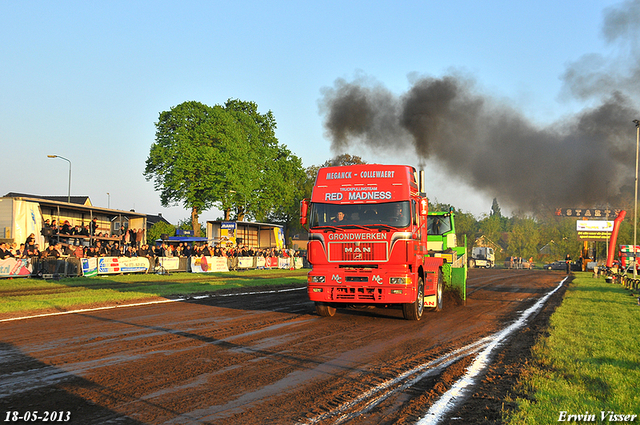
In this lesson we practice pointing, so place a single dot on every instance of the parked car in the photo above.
(556, 265)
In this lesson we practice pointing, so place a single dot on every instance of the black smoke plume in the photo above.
(580, 161)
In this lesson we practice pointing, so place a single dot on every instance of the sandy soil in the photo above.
(268, 358)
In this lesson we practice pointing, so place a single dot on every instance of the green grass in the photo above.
(591, 359)
(35, 295)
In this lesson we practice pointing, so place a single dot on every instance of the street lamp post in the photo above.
(69, 190)
(635, 200)
(108, 200)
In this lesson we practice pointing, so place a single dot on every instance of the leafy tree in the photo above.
(157, 230)
(197, 149)
(495, 208)
(524, 238)
(225, 156)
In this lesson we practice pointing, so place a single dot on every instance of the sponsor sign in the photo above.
(594, 226)
(209, 264)
(89, 266)
(111, 265)
(228, 233)
(284, 263)
(169, 263)
(593, 236)
(14, 267)
(588, 212)
(629, 248)
(245, 262)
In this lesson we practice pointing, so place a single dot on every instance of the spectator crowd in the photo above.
(84, 242)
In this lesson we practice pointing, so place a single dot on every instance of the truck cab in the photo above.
(368, 241)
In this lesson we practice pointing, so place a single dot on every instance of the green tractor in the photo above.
(442, 242)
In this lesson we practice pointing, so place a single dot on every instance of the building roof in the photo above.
(80, 200)
(53, 202)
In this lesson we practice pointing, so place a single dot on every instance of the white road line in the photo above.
(199, 297)
(379, 393)
(450, 399)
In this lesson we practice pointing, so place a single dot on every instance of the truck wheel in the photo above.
(439, 293)
(414, 310)
(325, 310)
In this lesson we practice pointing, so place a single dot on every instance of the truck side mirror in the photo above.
(304, 209)
(424, 207)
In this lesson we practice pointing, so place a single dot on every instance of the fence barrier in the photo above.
(93, 266)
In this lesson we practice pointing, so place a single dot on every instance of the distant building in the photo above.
(22, 214)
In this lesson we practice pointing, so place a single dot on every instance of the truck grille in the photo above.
(359, 252)
(358, 294)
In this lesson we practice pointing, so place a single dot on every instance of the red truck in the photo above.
(368, 241)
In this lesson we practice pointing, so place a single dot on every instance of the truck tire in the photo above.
(325, 310)
(439, 293)
(414, 310)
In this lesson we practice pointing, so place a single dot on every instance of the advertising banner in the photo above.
(89, 266)
(228, 233)
(299, 262)
(169, 263)
(594, 225)
(111, 265)
(284, 263)
(245, 262)
(279, 235)
(271, 262)
(12, 267)
(593, 236)
(209, 264)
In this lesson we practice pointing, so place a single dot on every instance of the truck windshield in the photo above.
(438, 224)
(396, 214)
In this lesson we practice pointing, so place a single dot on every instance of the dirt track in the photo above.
(267, 358)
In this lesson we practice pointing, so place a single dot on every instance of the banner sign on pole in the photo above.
(588, 212)
(228, 233)
(594, 225)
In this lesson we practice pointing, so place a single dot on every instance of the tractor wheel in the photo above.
(414, 310)
(325, 310)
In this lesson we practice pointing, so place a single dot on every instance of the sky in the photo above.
(88, 80)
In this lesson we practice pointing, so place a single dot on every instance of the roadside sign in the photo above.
(587, 212)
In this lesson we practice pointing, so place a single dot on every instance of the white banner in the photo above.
(245, 262)
(111, 265)
(284, 263)
(89, 266)
(169, 263)
(594, 226)
(209, 264)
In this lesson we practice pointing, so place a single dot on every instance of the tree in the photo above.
(197, 148)
(225, 156)
(495, 208)
(524, 238)
(157, 230)
(275, 185)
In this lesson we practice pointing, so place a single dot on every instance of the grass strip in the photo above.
(589, 364)
(36, 295)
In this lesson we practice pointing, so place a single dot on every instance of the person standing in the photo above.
(567, 260)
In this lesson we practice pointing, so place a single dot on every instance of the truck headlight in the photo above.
(400, 280)
(315, 279)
